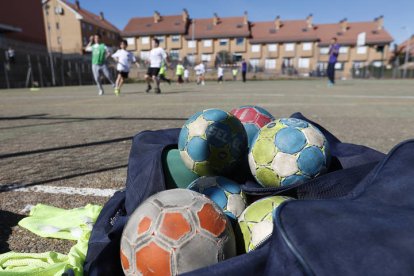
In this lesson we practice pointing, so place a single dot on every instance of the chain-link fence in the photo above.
(43, 69)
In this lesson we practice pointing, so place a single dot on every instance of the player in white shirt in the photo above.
(123, 59)
(220, 74)
(156, 58)
(200, 70)
(186, 75)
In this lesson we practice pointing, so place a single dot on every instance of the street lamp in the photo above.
(192, 39)
(52, 67)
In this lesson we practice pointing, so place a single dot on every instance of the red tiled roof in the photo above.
(226, 27)
(403, 46)
(289, 31)
(171, 24)
(92, 18)
(349, 37)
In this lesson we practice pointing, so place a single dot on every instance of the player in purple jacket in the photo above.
(333, 57)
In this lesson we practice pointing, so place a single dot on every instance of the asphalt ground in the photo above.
(71, 137)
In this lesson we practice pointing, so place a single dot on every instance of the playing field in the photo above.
(69, 147)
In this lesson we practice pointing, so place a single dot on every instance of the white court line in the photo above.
(68, 191)
(361, 96)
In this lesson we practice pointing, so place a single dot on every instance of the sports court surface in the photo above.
(68, 147)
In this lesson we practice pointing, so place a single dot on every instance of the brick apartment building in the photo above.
(15, 26)
(69, 26)
(278, 46)
(170, 30)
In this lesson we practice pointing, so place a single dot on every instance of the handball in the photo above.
(256, 222)
(253, 119)
(212, 142)
(173, 232)
(288, 151)
(226, 193)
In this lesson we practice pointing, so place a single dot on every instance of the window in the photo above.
(237, 57)
(289, 47)
(324, 50)
(85, 41)
(255, 48)
(339, 66)
(307, 46)
(59, 40)
(131, 41)
(358, 64)
(272, 47)
(175, 38)
(303, 63)
(145, 40)
(343, 50)
(83, 25)
(205, 57)
(240, 41)
(254, 62)
(224, 42)
(191, 44)
(57, 26)
(175, 54)
(90, 28)
(191, 59)
(377, 63)
(144, 55)
(161, 38)
(361, 50)
(207, 42)
(270, 63)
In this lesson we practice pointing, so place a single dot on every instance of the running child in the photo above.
(179, 72)
(200, 70)
(123, 59)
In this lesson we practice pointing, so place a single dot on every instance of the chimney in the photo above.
(380, 22)
(309, 21)
(77, 4)
(215, 19)
(245, 18)
(185, 15)
(101, 16)
(344, 24)
(278, 23)
(157, 17)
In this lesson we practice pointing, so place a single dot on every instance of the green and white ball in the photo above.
(288, 151)
(256, 222)
(212, 142)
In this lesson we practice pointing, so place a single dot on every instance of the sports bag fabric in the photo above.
(351, 164)
(367, 232)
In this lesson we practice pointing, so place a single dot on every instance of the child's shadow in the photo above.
(8, 220)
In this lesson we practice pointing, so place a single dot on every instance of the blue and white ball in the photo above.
(226, 193)
(288, 151)
(212, 142)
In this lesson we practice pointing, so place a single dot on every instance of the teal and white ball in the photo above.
(212, 142)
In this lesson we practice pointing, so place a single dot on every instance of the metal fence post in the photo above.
(29, 76)
(6, 75)
(79, 73)
(39, 66)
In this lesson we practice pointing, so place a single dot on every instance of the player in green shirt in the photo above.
(99, 54)
(179, 71)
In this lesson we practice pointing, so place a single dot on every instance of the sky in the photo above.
(398, 14)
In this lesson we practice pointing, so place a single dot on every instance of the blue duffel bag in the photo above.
(358, 219)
